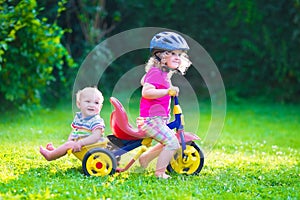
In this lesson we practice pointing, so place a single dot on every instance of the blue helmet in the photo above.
(168, 41)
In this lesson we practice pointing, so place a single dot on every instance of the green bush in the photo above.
(30, 53)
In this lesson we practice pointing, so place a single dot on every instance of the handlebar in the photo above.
(176, 102)
(173, 93)
(178, 121)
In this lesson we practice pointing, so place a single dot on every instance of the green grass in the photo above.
(256, 157)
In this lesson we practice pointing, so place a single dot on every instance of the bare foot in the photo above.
(44, 153)
(50, 147)
(162, 175)
(143, 162)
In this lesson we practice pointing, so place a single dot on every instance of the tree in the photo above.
(30, 53)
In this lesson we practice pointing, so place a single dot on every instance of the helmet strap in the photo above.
(165, 68)
(157, 58)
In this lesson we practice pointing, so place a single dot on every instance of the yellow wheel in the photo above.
(99, 162)
(190, 164)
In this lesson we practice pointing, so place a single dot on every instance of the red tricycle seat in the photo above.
(119, 123)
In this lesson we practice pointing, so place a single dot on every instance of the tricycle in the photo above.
(102, 158)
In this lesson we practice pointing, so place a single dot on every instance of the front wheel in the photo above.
(99, 162)
(191, 163)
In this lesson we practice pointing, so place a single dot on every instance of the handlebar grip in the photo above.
(172, 92)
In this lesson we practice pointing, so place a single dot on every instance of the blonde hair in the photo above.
(86, 89)
(153, 61)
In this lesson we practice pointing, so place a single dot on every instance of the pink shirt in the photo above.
(159, 106)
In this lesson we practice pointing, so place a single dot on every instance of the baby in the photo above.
(88, 127)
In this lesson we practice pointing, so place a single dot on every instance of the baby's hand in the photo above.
(102, 140)
(77, 146)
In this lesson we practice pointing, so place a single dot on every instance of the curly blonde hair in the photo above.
(157, 60)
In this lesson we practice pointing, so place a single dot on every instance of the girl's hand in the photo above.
(173, 91)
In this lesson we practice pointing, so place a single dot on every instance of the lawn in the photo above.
(256, 157)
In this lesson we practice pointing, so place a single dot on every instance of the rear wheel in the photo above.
(191, 163)
(99, 162)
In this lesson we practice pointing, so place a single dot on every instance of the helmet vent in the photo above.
(181, 40)
(174, 38)
(166, 40)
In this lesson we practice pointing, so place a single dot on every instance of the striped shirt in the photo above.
(84, 126)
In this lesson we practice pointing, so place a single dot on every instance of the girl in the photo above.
(168, 50)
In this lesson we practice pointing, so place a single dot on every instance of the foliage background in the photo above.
(254, 43)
